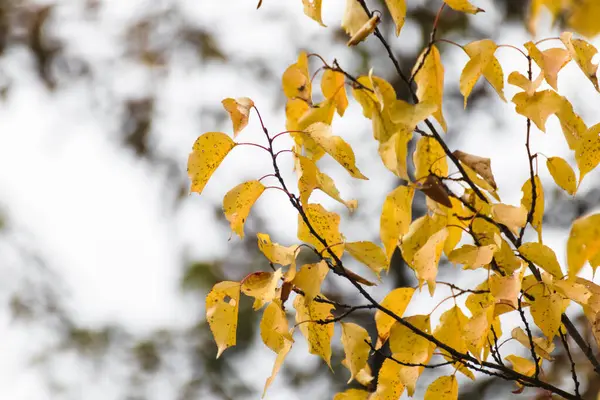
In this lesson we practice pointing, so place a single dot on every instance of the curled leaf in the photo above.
(312, 8)
(364, 31)
(239, 110)
(584, 55)
(481, 165)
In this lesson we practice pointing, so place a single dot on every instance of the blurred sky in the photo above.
(99, 215)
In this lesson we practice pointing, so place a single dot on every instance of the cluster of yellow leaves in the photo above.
(423, 241)
(580, 15)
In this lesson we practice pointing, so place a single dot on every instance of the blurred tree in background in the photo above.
(156, 41)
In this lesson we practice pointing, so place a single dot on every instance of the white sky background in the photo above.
(99, 215)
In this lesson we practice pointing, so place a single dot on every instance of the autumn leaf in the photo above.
(475, 331)
(539, 106)
(563, 174)
(326, 224)
(277, 366)
(309, 278)
(527, 202)
(397, 9)
(550, 61)
(506, 288)
(312, 8)
(408, 347)
(518, 79)
(426, 259)
(261, 285)
(435, 190)
(364, 31)
(276, 253)
(587, 151)
(543, 256)
(514, 218)
(389, 385)
(463, 6)
(238, 202)
(481, 165)
(296, 80)
(394, 153)
(481, 62)
(369, 254)
(274, 328)
(583, 243)
(239, 110)
(396, 217)
(335, 146)
(332, 86)
(473, 257)
(208, 152)
(430, 81)
(419, 232)
(312, 178)
(429, 158)
(317, 335)
(222, 304)
(542, 347)
(521, 365)
(354, 17)
(583, 53)
(447, 332)
(355, 340)
(396, 301)
(547, 309)
(443, 388)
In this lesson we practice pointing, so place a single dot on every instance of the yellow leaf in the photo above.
(587, 151)
(543, 256)
(583, 16)
(396, 301)
(521, 365)
(518, 79)
(578, 292)
(550, 61)
(583, 53)
(572, 125)
(480, 165)
(546, 311)
(354, 17)
(429, 158)
(594, 320)
(430, 81)
(238, 202)
(239, 110)
(542, 347)
(426, 259)
(276, 253)
(408, 347)
(354, 340)
(317, 335)
(274, 329)
(364, 31)
(335, 146)
(262, 285)
(222, 304)
(506, 289)
(312, 8)
(309, 279)
(352, 394)
(296, 81)
(278, 363)
(539, 106)
(397, 9)
(369, 254)
(332, 85)
(410, 115)
(563, 174)
(475, 332)
(451, 324)
(481, 62)
(294, 110)
(527, 202)
(206, 156)
(322, 112)
(419, 232)
(396, 217)
(473, 257)
(326, 225)
(443, 388)
(583, 243)
(394, 153)
(389, 385)
(312, 178)
(512, 217)
(463, 6)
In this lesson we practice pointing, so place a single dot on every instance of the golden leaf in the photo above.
(326, 225)
(481, 62)
(397, 9)
(317, 335)
(238, 202)
(309, 279)
(430, 81)
(396, 301)
(587, 151)
(208, 152)
(355, 340)
(396, 217)
(443, 388)
(332, 86)
(312, 8)
(563, 174)
(463, 6)
(543, 256)
(222, 304)
(369, 254)
(583, 53)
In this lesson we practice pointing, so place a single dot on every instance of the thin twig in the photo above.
(563, 337)
(536, 359)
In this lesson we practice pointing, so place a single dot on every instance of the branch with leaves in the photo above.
(523, 277)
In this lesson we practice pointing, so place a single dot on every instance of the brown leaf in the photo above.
(435, 190)
(478, 164)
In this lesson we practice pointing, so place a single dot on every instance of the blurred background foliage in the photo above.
(160, 37)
